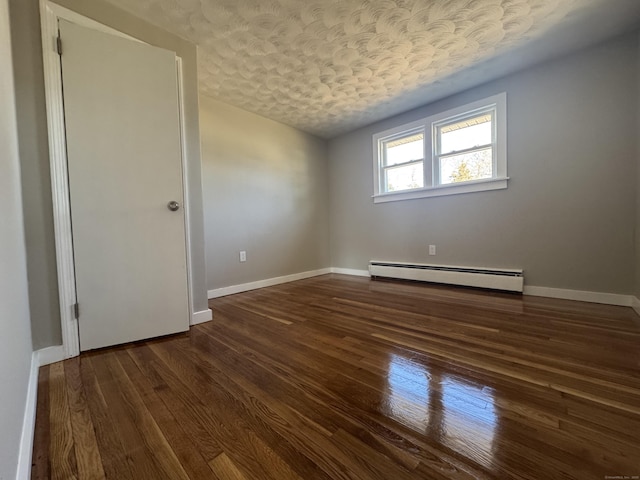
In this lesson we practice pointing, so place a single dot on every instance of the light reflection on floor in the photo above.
(452, 410)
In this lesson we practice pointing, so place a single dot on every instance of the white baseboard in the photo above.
(580, 295)
(50, 355)
(350, 271)
(44, 356)
(566, 294)
(201, 317)
(29, 422)
(245, 287)
(635, 304)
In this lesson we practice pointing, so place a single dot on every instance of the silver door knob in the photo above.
(173, 205)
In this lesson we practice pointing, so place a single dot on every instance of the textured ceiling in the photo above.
(330, 66)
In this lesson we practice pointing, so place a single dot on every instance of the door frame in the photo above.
(50, 12)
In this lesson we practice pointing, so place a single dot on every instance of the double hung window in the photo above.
(458, 151)
(403, 161)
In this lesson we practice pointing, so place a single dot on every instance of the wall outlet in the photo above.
(243, 256)
(432, 249)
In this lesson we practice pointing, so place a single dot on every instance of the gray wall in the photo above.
(36, 182)
(568, 215)
(637, 232)
(33, 140)
(266, 192)
(15, 340)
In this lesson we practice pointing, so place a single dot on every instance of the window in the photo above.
(464, 147)
(458, 151)
(403, 161)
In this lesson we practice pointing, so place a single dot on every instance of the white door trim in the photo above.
(185, 186)
(49, 15)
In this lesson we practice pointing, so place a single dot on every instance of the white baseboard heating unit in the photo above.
(496, 279)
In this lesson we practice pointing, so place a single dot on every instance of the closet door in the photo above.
(125, 180)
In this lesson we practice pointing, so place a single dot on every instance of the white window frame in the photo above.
(405, 131)
(431, 157)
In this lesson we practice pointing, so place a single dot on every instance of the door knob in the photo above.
(173, 205)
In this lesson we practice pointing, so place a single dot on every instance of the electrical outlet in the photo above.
(432, 249)
(243, 256)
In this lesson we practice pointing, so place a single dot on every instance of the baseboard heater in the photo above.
(496, 279)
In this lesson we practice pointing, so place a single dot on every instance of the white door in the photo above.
(125, 166)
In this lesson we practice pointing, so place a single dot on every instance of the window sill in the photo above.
(440, 190)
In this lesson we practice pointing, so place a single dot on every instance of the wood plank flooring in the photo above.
(340, 377)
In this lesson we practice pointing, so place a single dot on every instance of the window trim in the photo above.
(436, 127)
(382, 153)
(431, 175)
(378, 147)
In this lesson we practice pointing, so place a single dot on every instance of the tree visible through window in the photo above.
(464, 148)
(461, 149)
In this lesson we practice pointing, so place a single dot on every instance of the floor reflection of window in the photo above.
(449, 409)
(469, 418)
(408, 399)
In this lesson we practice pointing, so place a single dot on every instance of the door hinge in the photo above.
(76, 310)
(59, 45)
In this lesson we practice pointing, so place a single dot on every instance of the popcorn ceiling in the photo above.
(331, 66)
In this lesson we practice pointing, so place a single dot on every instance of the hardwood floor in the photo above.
(340, 377)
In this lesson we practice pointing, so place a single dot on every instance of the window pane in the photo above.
(469, 166)
(405, 178)
(404, 149)
(468, 133)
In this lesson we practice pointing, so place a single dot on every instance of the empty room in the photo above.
(343, 239)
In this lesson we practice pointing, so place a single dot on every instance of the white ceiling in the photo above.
(330, 66)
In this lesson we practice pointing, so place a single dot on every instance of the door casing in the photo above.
(49, 14)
